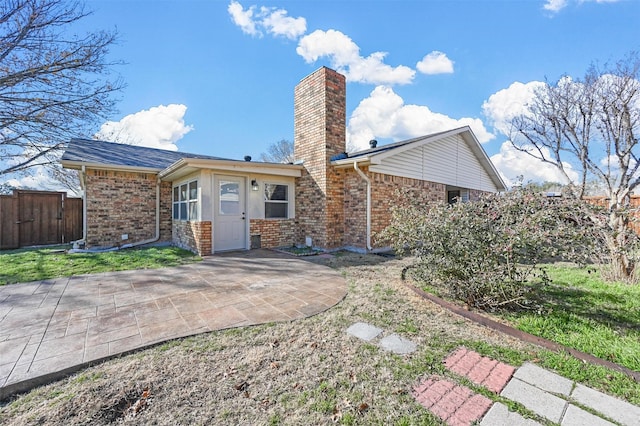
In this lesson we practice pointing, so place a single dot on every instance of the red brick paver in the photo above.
(456, 405)
(480, 370)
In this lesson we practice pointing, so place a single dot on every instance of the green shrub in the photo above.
(485, 252)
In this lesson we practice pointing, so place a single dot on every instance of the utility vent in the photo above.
(247, 158)
(373, 143)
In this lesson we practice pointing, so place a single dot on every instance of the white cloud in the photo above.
(384, 115)
(344, 56)
(555, 5)
(435, 63)
(243, 18)
(504, 105)
(278, 23)
(158, 127)
(512, 163)
(272, 20)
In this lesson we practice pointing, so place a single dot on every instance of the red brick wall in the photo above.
(274, 232)
(124, 203)
(319, 134)
(195, 236)
(384, 195)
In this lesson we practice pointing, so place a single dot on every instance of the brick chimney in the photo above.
(319, 134)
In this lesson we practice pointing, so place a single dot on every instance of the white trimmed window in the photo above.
(185, 201)
(276, 201)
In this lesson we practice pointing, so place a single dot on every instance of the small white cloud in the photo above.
(504, 105)
(158, 127)
(384, 115)
(435, 63)
(512, 163)
(243, 18)
(274, 21)
(344, 56)
(278, 23)
(555, 5)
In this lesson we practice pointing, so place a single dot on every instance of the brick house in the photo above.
(328, 198)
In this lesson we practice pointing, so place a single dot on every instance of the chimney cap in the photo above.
(247, 158)
(373, 143)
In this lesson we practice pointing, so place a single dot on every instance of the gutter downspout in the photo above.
(368, 207)
(83, 182)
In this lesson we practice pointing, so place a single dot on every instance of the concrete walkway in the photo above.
(542, 392)
(51, 328)
(545, 393)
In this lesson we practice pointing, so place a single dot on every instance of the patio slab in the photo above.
(51, 328)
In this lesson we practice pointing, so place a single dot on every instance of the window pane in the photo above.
(183, 192)
(275, 192)
(275, 210)
(183, 211)
(176, 194)
(193, 210)
(229, 197)
(193, 190)
(176, 211)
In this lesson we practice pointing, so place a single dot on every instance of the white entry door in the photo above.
(230, 223)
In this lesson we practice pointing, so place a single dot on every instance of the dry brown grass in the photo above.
(303, 372)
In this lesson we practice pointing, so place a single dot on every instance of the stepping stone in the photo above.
(540, 402)
(620, 411)
(499, 415)
(575, 416)
(364, 331)
(397, 344)
(544, 379)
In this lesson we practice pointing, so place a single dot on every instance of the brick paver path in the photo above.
(455, 404)
(482, 371)
(458, 405)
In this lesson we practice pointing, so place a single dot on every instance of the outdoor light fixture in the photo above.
(254, 185)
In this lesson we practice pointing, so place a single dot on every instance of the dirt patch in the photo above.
(302, 372)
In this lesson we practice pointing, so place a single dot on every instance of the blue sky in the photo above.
(217, 77)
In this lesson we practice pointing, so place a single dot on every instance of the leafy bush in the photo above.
(486, 252)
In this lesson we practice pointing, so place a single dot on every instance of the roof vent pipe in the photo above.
(247, 158)
(373, 143)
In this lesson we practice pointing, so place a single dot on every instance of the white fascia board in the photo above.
(290, 170)
(348, 162)
(77, 165)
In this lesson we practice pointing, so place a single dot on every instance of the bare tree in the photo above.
(279, 152)
(592, 126)
(53, 85)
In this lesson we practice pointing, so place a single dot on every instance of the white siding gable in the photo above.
(448, 160)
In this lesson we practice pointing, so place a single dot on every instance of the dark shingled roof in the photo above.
(118, 154)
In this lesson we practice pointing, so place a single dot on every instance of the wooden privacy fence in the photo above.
(30, 218)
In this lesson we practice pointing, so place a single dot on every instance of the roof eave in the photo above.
(77, 165)
(188, 165)
(344, 163)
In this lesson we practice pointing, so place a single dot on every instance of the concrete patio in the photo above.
(51, 328)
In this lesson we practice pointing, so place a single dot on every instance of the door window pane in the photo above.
(229, 198)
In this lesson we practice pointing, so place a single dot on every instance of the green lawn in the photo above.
(43, 263)
(581, 311)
